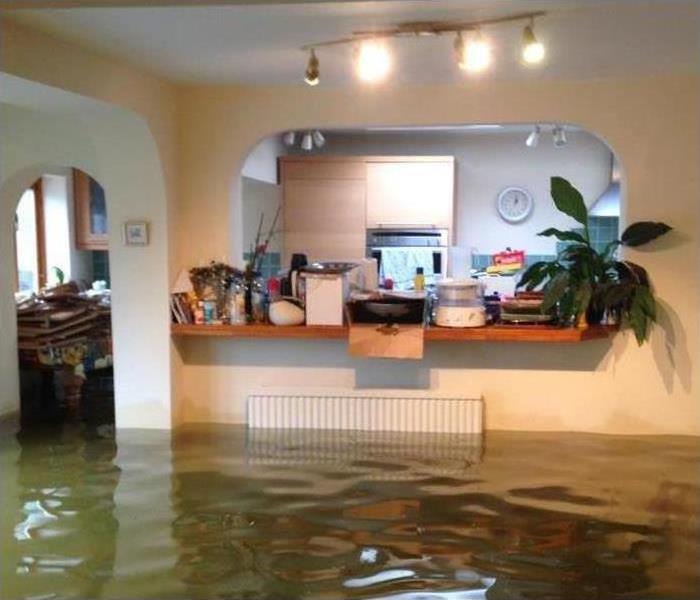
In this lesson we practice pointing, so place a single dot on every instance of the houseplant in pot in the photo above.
(582, 282)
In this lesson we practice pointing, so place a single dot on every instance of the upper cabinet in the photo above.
(330, 201)
(323, 208)
(90, 213)
(410, 191)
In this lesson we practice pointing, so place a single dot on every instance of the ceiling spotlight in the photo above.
(318, 139)
(313, 72)
(307, 142)
(534, 138)
(533, 51)
(558, 136)
(289, 138)
(476, 54)
(372, 61)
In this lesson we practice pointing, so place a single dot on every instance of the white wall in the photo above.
(115, 148)
(260, 198)
(261, 163)
(487, 162)
(608, 387)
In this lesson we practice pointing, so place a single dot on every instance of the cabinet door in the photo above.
(90, 213)
(324, 218)
(419, 192)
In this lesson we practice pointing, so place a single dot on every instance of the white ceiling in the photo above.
(260, 44)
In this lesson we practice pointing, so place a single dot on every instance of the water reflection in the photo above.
(216, 513)
(67, 530)
(282, 523)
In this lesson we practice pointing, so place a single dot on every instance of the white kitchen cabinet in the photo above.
(410, 191)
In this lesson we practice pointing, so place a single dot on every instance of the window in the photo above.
(29, 240)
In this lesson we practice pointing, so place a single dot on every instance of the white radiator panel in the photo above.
(366, 413)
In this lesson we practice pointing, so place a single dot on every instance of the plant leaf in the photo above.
(533, 273)
(568, 200)
(643, 232)
(582, 297)
(646, 301)
(610, 249)
(554, 290)
(564, 236)
(638, 319)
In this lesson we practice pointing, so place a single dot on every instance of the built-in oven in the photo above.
(401, 251)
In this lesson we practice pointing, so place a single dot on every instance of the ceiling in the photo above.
(259, 44)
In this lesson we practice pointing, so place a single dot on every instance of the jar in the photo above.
(235, 303)
(255, 298)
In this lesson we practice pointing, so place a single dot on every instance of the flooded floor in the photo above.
(216, 512)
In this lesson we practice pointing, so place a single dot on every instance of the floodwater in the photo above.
(218, 512)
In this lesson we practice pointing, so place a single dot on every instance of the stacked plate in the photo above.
(526, 308)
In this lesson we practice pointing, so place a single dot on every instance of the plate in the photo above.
(525, 318)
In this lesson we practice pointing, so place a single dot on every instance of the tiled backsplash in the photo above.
(271, 263)
(602, 231)
(100, 265)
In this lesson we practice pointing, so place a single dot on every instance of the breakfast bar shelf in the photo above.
(492, 333)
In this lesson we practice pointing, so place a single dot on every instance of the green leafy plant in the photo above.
(583, 281)
(59, 274)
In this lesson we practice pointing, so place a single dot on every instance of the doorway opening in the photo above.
(63, 300)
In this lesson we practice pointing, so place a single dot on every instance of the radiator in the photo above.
(366, 413)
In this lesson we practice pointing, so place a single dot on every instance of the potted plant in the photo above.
(584, 283)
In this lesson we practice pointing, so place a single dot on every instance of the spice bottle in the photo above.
(419, 280)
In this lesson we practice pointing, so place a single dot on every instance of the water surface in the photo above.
(214, 512)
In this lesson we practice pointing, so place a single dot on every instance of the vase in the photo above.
(254, 297)
(594, 314)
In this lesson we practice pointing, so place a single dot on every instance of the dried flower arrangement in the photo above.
(258, 250)
(212, 281)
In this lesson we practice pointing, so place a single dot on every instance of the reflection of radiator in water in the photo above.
(440, 451)
(366, 413)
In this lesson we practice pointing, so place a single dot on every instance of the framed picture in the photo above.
(136, 233)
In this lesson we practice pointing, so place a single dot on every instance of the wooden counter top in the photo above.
(492, 333)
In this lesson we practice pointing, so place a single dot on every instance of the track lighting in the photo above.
(313, 72)
(372, 61)
(318, 139)
(534, 138)
(309, 139)
(476, 56)
(558, 136)
(533, 50)
(307, 142)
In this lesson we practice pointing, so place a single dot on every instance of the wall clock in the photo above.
(514, 204)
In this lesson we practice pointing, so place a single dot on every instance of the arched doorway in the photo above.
(63, 300)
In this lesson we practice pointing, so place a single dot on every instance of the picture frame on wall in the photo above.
(136, 233)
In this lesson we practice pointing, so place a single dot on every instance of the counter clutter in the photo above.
(66, 332)
(331, 300)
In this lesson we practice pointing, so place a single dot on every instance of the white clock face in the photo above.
(514, 204)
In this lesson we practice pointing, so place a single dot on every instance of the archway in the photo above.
(62, 294)
(116, 148)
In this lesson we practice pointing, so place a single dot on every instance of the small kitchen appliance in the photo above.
(460, 303)
(326, 287)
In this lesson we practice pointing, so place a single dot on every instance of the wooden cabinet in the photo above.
(323, 208)
(330, 201)
(410, 191)
(90, 213)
